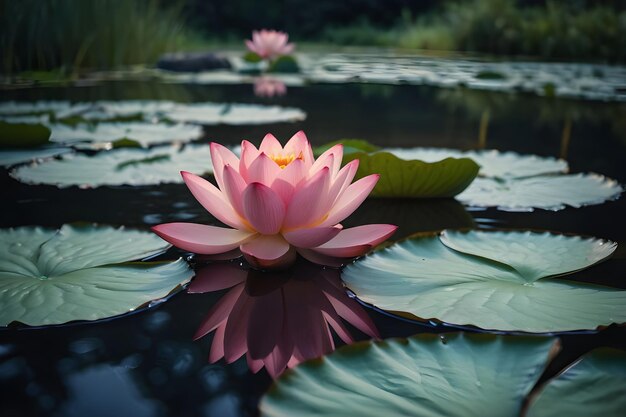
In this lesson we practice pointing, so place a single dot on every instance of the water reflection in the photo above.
(277, 319)
(269, 87)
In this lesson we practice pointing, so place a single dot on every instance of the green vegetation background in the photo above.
(96, 34)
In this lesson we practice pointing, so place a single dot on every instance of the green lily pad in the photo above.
(81, 273)
(349, 146)
(126, 166)
(415, 179)
(424, 375)
(284, 64)
(451, 375)
(22, 135)
(493, 163)
(492, 280)
(252, 57)
(594, 386)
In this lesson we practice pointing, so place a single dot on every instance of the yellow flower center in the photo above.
(282, 160)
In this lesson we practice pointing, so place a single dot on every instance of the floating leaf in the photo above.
(206, 113)
(145, 134)
(349, 146)
(18, 156)
(286, 64)
(234, 114)
(594, 386)
(79, 273)
(424, 375)
(544, 192)
(449, 375)
(22, 135)
(492, 280)
(252, 57)
(493, 163)
(125, 166)
(415, 179)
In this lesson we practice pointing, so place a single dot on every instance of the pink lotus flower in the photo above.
(279, 202)
(269, 87)
(277, 320)
(269, 44)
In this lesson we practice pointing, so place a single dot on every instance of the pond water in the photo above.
(148, 361)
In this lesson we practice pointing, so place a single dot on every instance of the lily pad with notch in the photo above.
(497, 281)
(456, 374)
(81, 273)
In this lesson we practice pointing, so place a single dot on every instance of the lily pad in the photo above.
(349, 146)
(548, 192)
(18, 156)
(206, 113)
(234, 114)
(126, 166)
(451, 375)
(23, 135)
(104, 134)
(493, 163)
(594, 386)
(80, 273)
(285, 64)
(492, 280)
(424, 375)
(415, 179)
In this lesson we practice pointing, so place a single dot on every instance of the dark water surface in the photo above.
(146, 364)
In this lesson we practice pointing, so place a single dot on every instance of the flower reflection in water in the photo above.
(277, 319)
(269, 87)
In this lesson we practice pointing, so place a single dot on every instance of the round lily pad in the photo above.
(19, 156)
(548, 192)
(81, 273)
(125, 166)
(493, 280)
(103, 134)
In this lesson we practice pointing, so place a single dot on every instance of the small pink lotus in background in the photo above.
(269, 87)
(277, 320)
(269, 44)
(279, 201)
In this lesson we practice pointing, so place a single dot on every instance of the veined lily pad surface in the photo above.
(492, 280)
(119, 167)
(425, 375)
(415, 179)
(145, 134)
(594, 386)
(548, 192)
(81, 273)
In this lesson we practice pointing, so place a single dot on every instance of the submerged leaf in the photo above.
(415, 179)
(492, 280)
(80, 273)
